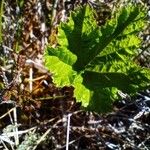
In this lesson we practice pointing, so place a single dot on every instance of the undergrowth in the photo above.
(94, 64)
(98, 61)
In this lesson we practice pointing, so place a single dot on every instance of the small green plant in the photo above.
(30, 140)
(98, 60)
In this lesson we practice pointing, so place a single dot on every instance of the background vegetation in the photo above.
(63, 61)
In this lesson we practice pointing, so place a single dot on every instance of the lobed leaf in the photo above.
(98, 61)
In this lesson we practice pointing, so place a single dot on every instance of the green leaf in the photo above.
(62, 72)
(63, 54)
(94, 80)
(101, 99)
(82, 34)
(121, 81)
(98, 61)
(65, 75)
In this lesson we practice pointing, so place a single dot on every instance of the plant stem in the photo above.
(50, 97)
(1, 16)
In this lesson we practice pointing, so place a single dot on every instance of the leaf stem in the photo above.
(1, 16)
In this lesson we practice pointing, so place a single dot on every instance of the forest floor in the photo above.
(44, 116)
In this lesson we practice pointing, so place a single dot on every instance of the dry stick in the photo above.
(10, 49)
(16, 137)
(71, 142)
(30, 79)
(13, 122)
(63, 17)
(142, 52)
(42, 138)
(12, 147)
(4, 115)
(68, 131)
(54, 11)
(143, 142)
(50, 97)
(38, 78)
(47, 132)
(4, 145)
(11, 134)
(1, 18)
(36, 65)
(16, 127)
(6, 139)
(10, 117)
(49, 121)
